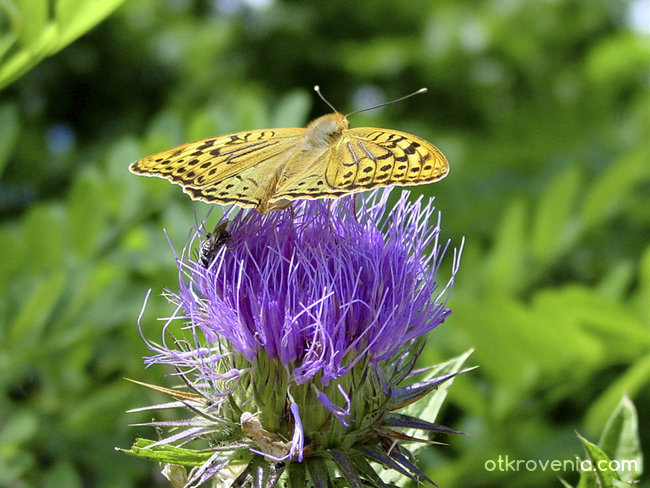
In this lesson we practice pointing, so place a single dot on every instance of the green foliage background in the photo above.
(542, 108)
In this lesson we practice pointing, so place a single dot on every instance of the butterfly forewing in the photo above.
(235, 168)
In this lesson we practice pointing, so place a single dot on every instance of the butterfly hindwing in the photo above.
(304, 177)
(363, 158)
(367, 157)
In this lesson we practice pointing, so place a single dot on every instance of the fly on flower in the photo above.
(213, 242)
(296, 348)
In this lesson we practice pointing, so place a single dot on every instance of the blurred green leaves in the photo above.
(9, 133)
(34, 29)
(541, 108)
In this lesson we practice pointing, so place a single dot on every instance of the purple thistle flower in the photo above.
(295, 333)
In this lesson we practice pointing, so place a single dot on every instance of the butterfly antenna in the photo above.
(421, 90)
(317, 90)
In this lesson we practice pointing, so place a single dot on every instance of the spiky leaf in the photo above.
(620, 439)
(318, 472)
(344, 463)
(166, 453)
(604, 475)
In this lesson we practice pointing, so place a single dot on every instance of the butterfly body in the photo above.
(325, 130)
(268, 169)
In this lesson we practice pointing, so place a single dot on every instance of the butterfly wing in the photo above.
(304, 177)
(234, 168)
(368, 157)
(363, 158)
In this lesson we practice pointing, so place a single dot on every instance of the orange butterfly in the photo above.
(269, 168)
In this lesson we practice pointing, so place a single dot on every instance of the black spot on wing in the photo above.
(206, 145)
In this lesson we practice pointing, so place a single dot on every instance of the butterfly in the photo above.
(213, 242)
(267, 169)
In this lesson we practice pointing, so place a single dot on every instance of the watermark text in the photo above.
(505, 463)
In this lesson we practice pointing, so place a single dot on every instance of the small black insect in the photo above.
(213, 242)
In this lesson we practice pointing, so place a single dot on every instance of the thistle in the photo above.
(294, 342)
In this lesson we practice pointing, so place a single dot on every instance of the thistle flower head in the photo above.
(294, 332)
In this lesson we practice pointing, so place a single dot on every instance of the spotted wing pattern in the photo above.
(366, 158)
(235, 168)
(369, 157)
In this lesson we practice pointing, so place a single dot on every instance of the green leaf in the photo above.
(297, 475)
(291, 110)
(382, 458)
(165, 130)
(18, 428)
(13, 67)
(37, 309)
(44, 233)
(10, 18)
(588, 479)
(601, 465)
(594, 324)
(32, 20)
(525, 340)
(631, 382)
(9, 132)
(620, 440)
(87, 212)
(428, 407)
(39, 36)
(202, 124)
(124, 200)
(365, 469)
(383, 56)
(551, 232)
(643, 288)
(12, 250)
(166, 453)
(76, 17)
(401, 420)
(251, 111)
(618, 280)
(318, 472)
(606, 196)
(346, 467)
(505, 263)
(403, 367)
(62, 474)
(565, 484)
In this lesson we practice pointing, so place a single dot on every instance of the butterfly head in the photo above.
(323, 131)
